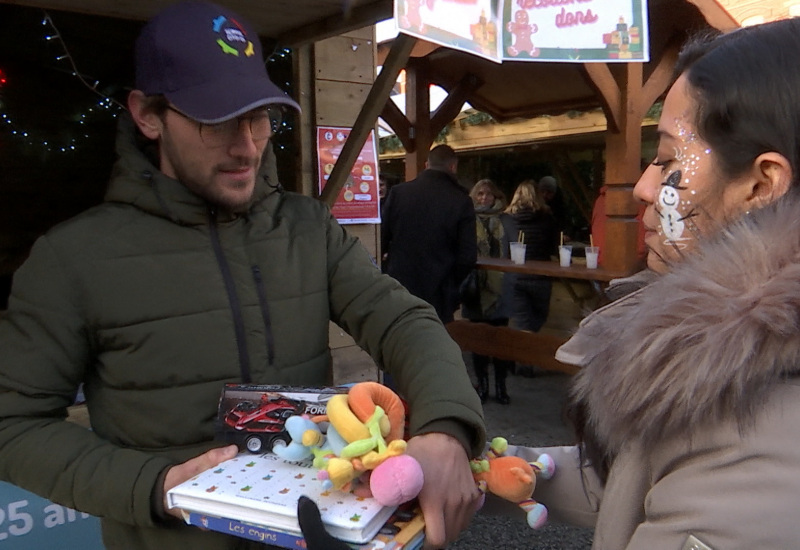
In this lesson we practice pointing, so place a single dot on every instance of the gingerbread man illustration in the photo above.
(522, 30)
(413, 18)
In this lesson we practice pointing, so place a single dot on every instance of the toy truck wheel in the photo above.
(282, 439)
(253, 444)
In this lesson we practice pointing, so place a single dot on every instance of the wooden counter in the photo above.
(552, 269)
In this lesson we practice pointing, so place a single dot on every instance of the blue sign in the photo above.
(29, 522)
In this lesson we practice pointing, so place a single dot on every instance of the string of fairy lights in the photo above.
(105, 106)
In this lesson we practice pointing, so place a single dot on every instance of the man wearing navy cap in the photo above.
(199, 269)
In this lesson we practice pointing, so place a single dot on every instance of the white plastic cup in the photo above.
(517, 252)
(591, 256)
(565, 255)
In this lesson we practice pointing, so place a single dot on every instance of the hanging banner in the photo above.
(358, 200)
(577, 31)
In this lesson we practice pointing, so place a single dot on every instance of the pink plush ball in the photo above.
(397, 480)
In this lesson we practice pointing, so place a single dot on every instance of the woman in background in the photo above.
(531, 222)
(485, 302)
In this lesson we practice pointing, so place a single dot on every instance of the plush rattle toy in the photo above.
(355, 444)
(513, 479)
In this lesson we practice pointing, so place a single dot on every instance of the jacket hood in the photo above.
(704, 341)
(137, 181)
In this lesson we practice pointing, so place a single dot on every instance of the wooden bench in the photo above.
(529, 348)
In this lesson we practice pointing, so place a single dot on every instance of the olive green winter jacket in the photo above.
(154, 300)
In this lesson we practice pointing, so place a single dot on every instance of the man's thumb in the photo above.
(221, 454)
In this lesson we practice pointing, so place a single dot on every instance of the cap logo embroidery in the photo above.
(232, 36)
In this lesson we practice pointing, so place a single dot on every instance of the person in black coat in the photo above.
(428, 236)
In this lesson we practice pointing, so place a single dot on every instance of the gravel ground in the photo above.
(533, 418)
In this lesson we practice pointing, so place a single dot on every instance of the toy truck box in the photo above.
(253, 416)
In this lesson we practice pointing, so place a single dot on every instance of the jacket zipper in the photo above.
(262, 300)
(233, 298)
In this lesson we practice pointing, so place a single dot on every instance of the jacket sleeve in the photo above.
(46, 354)
(405, 337)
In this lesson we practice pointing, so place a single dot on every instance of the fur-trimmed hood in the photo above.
(701, 343)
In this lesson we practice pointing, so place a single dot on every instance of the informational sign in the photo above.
(358, 200)
(29, 522)
(576, 31)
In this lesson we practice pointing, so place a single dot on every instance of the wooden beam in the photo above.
(552, 108)
(355, 18)
(303, 60)
(601, 79)
(530, 348)
(421, 49)
(365, 122)
(418, 110)
(451, 106)
(715, 15)
(398, 122)
(661, 77)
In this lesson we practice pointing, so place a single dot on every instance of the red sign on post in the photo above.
(358, 200)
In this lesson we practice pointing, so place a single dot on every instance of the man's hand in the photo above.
(181, 472)
(449, 497)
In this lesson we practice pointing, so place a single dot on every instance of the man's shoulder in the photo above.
(97, 220)
(293, 204)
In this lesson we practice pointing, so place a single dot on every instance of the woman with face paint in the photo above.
(687, 406)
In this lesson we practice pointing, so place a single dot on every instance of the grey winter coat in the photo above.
(691, 388)
(154, 300)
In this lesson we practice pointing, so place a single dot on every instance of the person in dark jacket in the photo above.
(200, 270)
(531, 222)
(429, 233)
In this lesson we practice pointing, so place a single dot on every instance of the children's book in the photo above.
(263, 490)
(405, 530)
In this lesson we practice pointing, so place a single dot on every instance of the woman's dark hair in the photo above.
(747, 87)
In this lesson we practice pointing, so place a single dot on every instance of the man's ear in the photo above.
(771, 179)
(149, 123)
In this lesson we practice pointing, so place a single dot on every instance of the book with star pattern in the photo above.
(264, 489)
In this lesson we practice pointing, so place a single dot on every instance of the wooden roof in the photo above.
(525, 89)
(290, 22)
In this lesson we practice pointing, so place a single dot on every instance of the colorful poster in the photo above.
(358, 200)
(575, 31)
(468, 25)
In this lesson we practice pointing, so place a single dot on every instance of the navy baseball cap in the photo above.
(207, 61)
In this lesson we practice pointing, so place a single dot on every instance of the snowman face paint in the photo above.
(681, 187)
(672, 225)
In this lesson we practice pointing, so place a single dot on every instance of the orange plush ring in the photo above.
(364, 396)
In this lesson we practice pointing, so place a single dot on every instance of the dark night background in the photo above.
(56, 134)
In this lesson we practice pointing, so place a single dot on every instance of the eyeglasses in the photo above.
(263, 124)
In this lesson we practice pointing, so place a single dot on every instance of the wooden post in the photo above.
(626, 99)
(418, 111)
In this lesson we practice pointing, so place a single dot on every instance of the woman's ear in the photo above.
(771, 179)
(149, 123)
